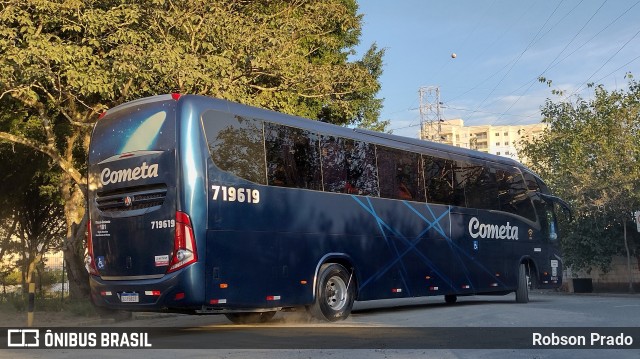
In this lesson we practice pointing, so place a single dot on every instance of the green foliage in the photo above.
(13, 278)
(290, 56)
(590, 156)
(64, 61)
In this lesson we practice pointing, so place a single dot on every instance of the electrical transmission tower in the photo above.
(430, 113)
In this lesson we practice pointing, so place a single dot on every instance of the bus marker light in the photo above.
(273, 297)
(546, 273)
(218, 301)
(175, 96)
(101, 115)
(224, 285)
(303, 282)
(179, 296)
(497, 274)
(433, 288)
(154, 293)
(494, 284)
(396, 290)
(465, 286)
(427, 277)
(104, 294)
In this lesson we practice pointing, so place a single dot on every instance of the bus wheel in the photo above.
(250, 318)
(334, 294)
(450, 298)
(522, 293)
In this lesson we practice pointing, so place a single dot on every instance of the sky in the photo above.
(502, 47)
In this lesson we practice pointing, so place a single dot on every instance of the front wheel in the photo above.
(335, 293)
(250, 318)
(522, 293)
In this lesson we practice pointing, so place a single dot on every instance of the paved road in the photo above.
(546, 310)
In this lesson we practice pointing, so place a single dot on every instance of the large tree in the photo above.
(590, 155)
(62, 62)
(31, 212)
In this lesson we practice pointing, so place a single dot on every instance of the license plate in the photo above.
(129, 298)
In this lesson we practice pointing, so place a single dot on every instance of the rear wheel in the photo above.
(250, 318)
(522, 293)
(335, 293)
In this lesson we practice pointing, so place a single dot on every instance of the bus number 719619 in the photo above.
(233, 194)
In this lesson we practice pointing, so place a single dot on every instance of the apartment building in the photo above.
(498, 140)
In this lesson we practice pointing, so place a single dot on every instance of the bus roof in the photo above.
(386, 139)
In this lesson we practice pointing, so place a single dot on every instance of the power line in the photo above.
(606, 62)
(565, 47)
(552, 64)
(519, 56)
(525, 12)
(616, 70)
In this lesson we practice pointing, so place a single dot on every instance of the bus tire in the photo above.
(335, 293)
(522, 293)
(450, 298)
(250, 317)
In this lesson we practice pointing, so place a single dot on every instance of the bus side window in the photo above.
(348, 166)
(513, 194)
(400, 174)
(479, 184)
(438, 177)
(293, 157)
(235, 144)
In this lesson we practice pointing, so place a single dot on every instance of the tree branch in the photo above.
(51, 152)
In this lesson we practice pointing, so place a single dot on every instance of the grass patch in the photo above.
(18, 303)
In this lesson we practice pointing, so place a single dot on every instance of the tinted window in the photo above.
(235, 144)
(293, 157)
(531, 182)
(513, 194)
(145, 127)
(348, 166)
(438, 176)
(478, 183)
(400, 174)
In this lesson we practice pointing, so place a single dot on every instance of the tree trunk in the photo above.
(73, 252)
(73, 248)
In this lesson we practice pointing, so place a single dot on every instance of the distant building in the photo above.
(497, 140)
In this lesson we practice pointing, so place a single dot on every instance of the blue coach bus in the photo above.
(200, 205)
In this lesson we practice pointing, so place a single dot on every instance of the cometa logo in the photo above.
(129, 174)
(494, 231)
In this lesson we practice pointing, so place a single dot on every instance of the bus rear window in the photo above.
(145, 127)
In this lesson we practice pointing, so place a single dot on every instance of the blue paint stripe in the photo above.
(411, 245)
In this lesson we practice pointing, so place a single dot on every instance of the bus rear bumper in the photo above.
(172, 292)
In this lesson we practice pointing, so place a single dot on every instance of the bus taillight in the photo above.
(89, 260)
(184, 245)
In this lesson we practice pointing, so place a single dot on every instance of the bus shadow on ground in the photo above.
(409, 304)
